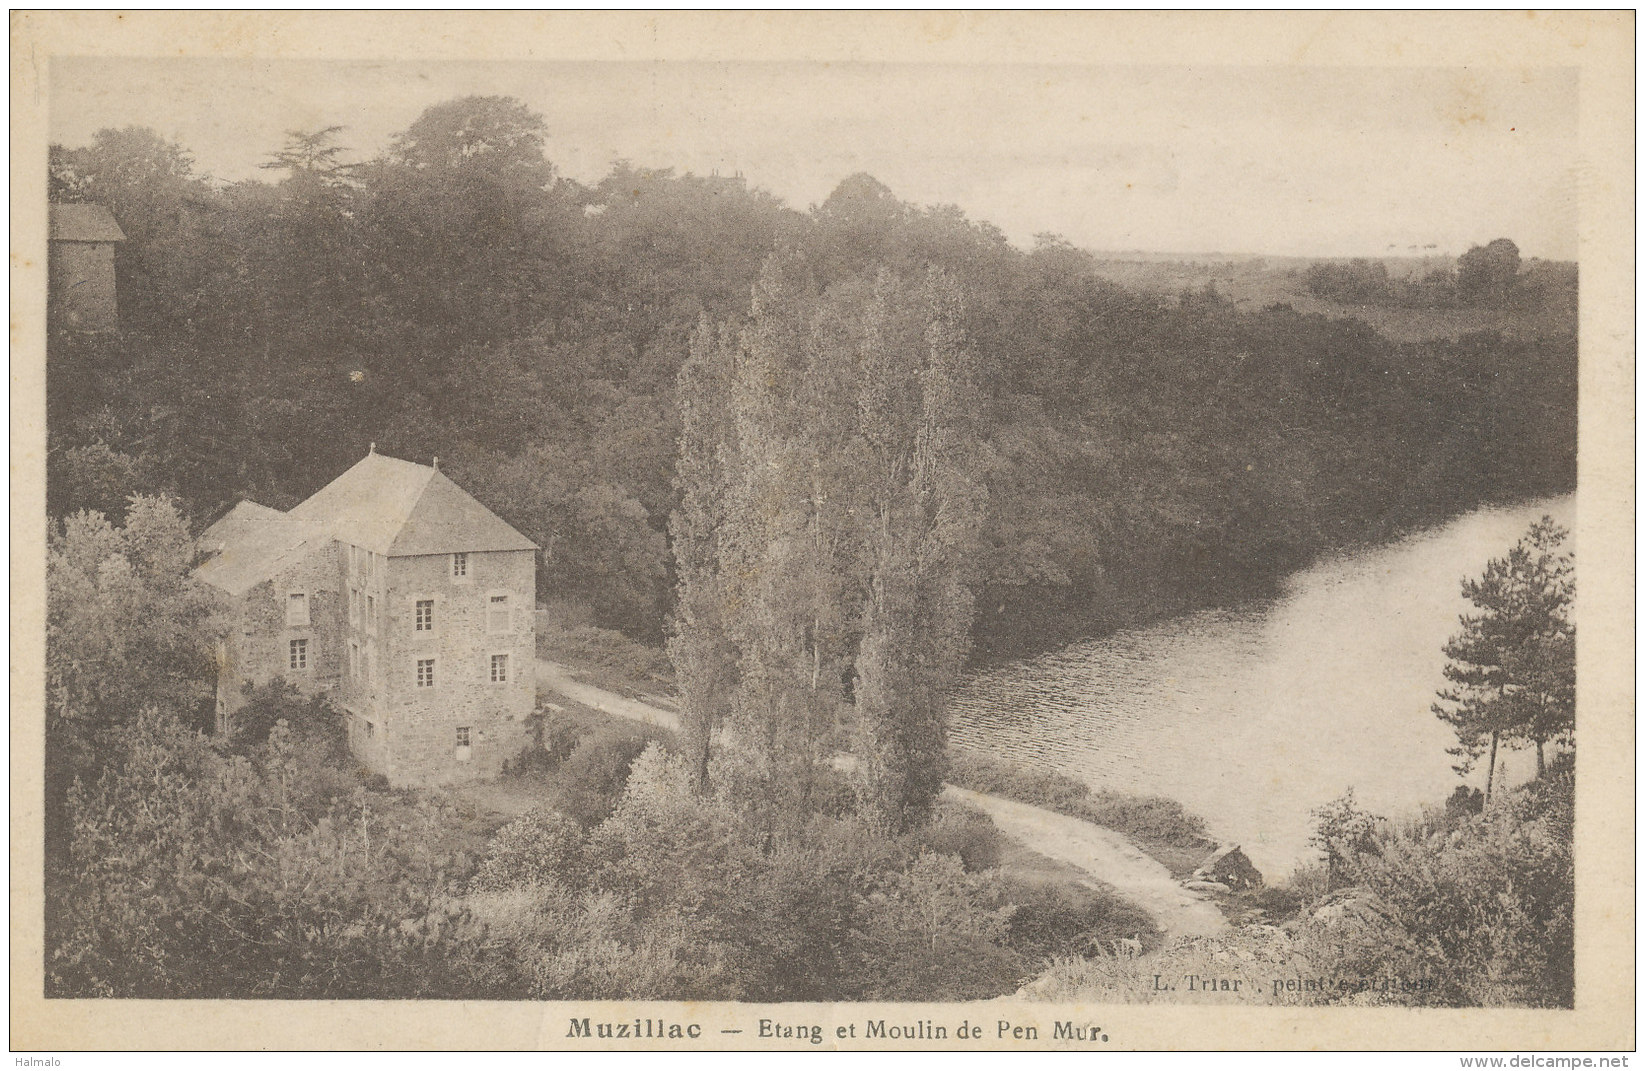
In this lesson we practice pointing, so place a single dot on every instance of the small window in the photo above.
(353, 659)
(499, 669)
(497, 614)
(299, 655)
(371, 613)
(462, 736)
(459, 564)
(371, 729)
(297, 609)
(425, 672)
(425, 615)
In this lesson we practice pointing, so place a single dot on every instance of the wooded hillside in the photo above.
(457, 298)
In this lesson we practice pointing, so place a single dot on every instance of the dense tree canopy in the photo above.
(457, 297)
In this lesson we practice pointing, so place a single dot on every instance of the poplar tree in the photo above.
(830, 505)
(782, 559)
(925, 507)
(705, 661)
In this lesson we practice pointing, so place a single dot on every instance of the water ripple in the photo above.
(1252, 716)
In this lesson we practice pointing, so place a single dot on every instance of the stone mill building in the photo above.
(400, 597)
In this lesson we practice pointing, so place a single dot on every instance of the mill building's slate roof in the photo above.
(382, 504)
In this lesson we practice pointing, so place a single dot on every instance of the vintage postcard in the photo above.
(822, 531)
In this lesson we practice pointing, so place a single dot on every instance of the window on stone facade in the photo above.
(299, 655)
(459, 565)
(297, 609)
(353, 659)
(497, 619)
(462, 736)
(371, 729)
(425, 672)
(425, 615)
(499, 669)
(371, 613)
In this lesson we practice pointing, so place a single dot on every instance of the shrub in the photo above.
(1059, 920)
(308, 717)
(1471, 914)
(538, 848)
(935, 933)
(595, 772)
(960, 831)
(1483, 910)
(1276, 902)
(199, 874)
(558, 735)
(1146, 817)
(1261, 953)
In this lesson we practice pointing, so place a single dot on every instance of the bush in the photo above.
(1260, 952)
(310, 718)
(935, 933)
(538, 848)
(960, 831)
(1058, 920)
(1273, 902)
(1483, 910)
(199, 874)
(595, 772)
(1472, 914)
(1147, 818)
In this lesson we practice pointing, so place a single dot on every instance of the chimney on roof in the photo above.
(436, 462)
(374, 448)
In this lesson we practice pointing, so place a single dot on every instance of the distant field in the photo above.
(1257, 282)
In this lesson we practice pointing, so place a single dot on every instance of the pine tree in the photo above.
(1513, 666)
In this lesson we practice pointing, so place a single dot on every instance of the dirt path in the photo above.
(556, 678)
(1104, 854)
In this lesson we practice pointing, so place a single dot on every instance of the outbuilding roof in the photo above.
(83, 223)
(258, 544)
(382, 504)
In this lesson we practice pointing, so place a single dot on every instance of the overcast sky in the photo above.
(1305, 161)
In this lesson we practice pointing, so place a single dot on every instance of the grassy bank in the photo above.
(1157, 825)
(607, 659)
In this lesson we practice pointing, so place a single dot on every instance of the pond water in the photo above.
(1254, 715)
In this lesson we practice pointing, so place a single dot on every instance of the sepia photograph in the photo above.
(978, 543)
